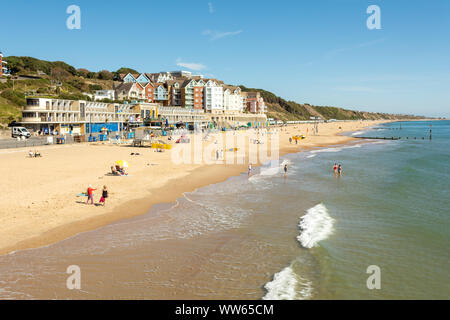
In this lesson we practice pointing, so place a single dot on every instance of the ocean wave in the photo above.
(315, 226)
(311, 156)
(269, 171)
(357, 133)
(286, 285)
(327, 150)
(272, 168)
(353, 146)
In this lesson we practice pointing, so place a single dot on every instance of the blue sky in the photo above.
(318, 52)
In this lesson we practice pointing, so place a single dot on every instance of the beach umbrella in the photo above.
(122, 163)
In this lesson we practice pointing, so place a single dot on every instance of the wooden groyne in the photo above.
(395, 138)
(380, 138)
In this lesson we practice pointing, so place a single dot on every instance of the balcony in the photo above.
(32, 120)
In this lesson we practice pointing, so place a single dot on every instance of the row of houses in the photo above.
(159, 99)
(86, 117)
(182, 89)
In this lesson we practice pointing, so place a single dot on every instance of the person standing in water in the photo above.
(339, 170)
(249, 169)
(285, 169)
(335, 168)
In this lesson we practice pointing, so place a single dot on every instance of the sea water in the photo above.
(309, 234)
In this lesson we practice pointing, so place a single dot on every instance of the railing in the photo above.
(179, 110)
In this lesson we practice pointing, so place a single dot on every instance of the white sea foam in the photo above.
(327, 150)
(273, 168)
(269, 171)
(286, 285)
(357, 133)
(311, 156)
(353, 146)
(315, 226)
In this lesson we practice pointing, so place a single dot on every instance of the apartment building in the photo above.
(254, 103)
(79, 116)
(160, 94)
(192, 94)
(104, 94)
(233, 99)
(160, 77)
(182, 89)
(3, 63)
(129, 91)
(213, 96)
(174, 88)
(148, 92)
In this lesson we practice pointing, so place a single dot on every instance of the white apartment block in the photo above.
(213, 97)
(233, 101)
(104, 94)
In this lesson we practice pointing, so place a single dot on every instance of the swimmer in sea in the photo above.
(339, 170)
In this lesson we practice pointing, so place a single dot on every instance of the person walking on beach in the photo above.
(90, 194)
(104, 195)
(249, 169)
(290, 140)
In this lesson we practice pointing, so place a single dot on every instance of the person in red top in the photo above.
(90, 194)
(335, 168)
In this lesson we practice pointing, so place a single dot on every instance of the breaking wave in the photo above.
(287, 285)
(315, 226)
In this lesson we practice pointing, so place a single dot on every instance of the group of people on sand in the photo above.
(118, 170)
(34, 154)
(290, 140)
(337, 169)
(90, 195)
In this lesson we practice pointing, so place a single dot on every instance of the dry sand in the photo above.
(39, 204)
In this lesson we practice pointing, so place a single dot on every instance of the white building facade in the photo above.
(213, 97)
(233, 101)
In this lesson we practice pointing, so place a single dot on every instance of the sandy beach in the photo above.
(40, 204)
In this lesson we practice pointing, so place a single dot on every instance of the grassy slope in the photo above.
(8, 111)
(278, 108)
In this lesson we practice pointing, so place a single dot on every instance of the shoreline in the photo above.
(168, 192)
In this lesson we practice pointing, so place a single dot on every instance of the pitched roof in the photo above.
(125, 86)
(172, 82)
(232, 88)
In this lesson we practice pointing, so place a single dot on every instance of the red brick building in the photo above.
(148, 92)
(198, 97)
